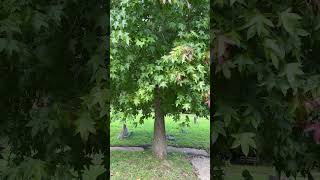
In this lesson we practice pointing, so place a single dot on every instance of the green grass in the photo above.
(143, 165)
(197, 135)
(234, 172)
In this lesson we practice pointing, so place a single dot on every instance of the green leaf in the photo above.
(190, 69)
(3, 166)
(218, 128)
(242, 61)
(226, 69)
(275, 60)
(93, 172)
(99, 96)
(273, 46)
(317, 26)
(245, 140)
(9, 45)
(228, 113)
(3, 44)
(158, 78)
(136, 101)
(290, 21)
(284, 86)
(9, 26)
(292, 71)
(33, 169)
(85, 125)
(258, 24)
(251, 32)
(56, 13)
(232, 2)
(140, 43)
(186, 106)
(226, 72)
(302, 32)
(163, 84)
(222, 42)
(239, 1)
(97, 158)
(39, 20)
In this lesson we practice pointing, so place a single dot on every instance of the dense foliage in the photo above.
(159, 47)
(166, 46)
(53, 106)
(266, 67)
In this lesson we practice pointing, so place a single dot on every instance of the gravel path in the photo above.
(202, 167)
(199, 158)
(188, 151)
(126, 149)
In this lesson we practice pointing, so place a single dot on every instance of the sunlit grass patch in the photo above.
(143, 165)
(196, 136)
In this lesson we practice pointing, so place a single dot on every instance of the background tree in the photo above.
(159, 51)
(53, 106)
(266, 67)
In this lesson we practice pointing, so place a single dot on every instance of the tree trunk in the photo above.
(159, 133)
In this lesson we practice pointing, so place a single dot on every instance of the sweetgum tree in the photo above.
(266, 68)
(159, 60)
(53, 81)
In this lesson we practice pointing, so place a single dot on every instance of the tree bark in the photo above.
(159, 133)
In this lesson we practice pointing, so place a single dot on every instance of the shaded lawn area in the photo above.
(234, 172)
(196, 136)
(143, 165)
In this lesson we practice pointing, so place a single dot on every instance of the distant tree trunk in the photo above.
(159, 135)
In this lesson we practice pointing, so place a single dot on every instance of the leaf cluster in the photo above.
(53, 89)
(266, 67)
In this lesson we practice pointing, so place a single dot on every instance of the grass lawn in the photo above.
(234, 172)
(143, 165)
(197, 135)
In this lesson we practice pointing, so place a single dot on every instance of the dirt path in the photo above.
(199, 158)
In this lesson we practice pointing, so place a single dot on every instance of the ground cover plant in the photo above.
(266, 73)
